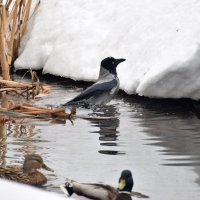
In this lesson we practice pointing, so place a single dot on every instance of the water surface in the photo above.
(158, 140)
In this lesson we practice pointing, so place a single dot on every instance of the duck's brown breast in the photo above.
(37, 178)
(17, 174)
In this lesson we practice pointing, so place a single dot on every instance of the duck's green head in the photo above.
(125, 181)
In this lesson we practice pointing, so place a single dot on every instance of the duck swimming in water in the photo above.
(102, 191)
(27, 173)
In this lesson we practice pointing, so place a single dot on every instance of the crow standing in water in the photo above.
(104, 89)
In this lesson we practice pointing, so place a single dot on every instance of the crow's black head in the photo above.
(111, 63)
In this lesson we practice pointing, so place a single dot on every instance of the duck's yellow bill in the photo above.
(122, 184)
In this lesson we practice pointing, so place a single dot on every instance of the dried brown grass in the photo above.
(14, 17)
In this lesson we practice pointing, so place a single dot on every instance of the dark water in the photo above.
(158, 140)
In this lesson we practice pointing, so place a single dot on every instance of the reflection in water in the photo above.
(3, 131)
(20, 130)
(2, 141)
(9, 131)
(108, 133)
(172, 125)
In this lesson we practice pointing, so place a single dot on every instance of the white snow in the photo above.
(11, 191)
(159, 39)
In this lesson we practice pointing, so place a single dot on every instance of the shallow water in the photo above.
(158, 140)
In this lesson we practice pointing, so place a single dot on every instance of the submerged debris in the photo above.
(27, 90)
(25, 110)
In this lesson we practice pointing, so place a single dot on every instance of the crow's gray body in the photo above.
(103, 90)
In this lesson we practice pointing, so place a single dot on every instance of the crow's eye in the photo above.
(113, 62)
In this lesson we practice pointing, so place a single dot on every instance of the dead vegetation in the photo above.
(31, 90)
(14, 17)
(28, 111)
(12, 111)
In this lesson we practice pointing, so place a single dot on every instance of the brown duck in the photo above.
(27, 173)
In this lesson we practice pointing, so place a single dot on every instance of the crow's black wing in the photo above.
(93, 90)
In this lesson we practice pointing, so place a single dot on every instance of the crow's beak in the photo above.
(117, 61)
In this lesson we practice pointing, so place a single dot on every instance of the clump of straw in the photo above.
(14, 16)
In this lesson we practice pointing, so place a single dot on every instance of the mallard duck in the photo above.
(102, 191)
(28, 172)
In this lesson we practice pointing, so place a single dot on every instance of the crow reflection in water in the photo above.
(108, 133)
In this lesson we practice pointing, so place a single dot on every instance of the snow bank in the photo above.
(159, 39)
(11, 191)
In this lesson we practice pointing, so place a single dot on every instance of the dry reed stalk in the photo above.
(13, 84)
(8, 2)
(14, 17)
(33, 90)
(25, 17)
(28, 111)
(41, 112)
(3, 59)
